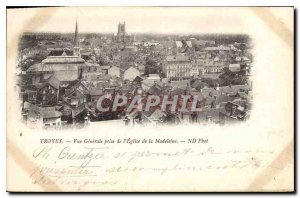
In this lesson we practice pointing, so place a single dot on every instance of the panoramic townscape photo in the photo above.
(73, 80)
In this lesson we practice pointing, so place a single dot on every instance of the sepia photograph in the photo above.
(81, 78)
(150, 99)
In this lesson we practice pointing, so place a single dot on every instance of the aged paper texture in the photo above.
(150, 99)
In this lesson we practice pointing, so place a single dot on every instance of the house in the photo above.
(114, 71)
(234, 67)
(181, 84)
(37, 74)
(198, 84)
(218, 48)
(138, 80)
(131, 73)
(31, 112)
(210, 114)
(142, 68)
(235, 111)
(243, 59)
(232, 90)
(148, 83)
(105, 68)
(30, 93)
(77, 95)
(180, 44)
(172, 119)
(155, 89)
(177, 67)
(154, 77)
(51, 118)
(62, 65)
(178, 91)
(95, 94)
(48, 94)
(157, 115)
(81, 113)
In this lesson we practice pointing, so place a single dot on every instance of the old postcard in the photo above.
(150, 99)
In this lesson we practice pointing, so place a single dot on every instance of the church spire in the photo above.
(76, 35)
(76, 42)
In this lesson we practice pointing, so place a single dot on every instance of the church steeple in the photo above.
(76, 42)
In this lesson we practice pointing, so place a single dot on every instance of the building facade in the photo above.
(114, 71)
(131, 73)
(177, 67)
(63, 67)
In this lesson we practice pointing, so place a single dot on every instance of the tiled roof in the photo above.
(177, 91)
(155, 90)
(51, 114)
(30, 106)
(221, 47)
(34, 67)
(96, 92)
(63, 59)
(181, 84)
(178, 58)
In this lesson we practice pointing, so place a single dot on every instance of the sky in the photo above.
(183, 20)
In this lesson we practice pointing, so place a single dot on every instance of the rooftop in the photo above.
(178, 58)
(51, 114)
(63, 59)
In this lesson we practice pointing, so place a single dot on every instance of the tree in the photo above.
(26, 63)
(152, 66)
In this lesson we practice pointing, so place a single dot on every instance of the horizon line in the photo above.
(164, 33)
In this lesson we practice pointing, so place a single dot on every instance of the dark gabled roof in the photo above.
(230, 104)
(70, 94)
(198, 84)
(138, 79)
(60, 52)
(54, 82)
(73, 87)
(80, 109)
(84, 90)
(155, 90)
